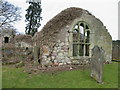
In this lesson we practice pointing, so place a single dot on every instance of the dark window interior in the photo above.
(6, 39)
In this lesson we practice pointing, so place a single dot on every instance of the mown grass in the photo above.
(16, 78)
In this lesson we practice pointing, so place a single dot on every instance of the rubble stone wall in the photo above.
(55, 39)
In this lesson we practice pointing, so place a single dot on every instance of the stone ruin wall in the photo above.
(55, 45)
(99, 35)
(48, 37)
(58, 54)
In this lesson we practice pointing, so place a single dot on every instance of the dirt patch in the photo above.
(10, 60)
(35, 69)
(30, 68)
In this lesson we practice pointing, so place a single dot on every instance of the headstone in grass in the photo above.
(97, 61)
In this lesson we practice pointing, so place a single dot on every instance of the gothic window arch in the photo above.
(81, 39)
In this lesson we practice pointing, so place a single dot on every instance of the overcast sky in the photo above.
(105, 10)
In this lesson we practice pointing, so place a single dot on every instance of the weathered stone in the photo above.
(60, 54)
(60, 64)
(67, 59)
(57, 45)
(66, 40)
(75, 62)
(45, 62)
(64, 63)
(36, 53)
(61, 57)
(69, 62)
(59, 41)
(45, 50)
(50, 63)
(55, 48)
(58, 51)
(44, 57)
(53, 57)
(56, 64)
(59, 48)
(67, 43)
(20, 64)
(48, 58)
(62, 44)
(65, 48)
(54, 53)
(62, 51)
(55, 61)
(97, 61)
(66, 54)
(87, 62)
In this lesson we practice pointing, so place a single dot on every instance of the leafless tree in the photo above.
(8, 14)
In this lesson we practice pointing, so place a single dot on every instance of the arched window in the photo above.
(81, 39)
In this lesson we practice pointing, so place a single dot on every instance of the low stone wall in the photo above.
(11, 54)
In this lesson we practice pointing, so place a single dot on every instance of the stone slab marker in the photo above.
(97, 61)
(36, 53)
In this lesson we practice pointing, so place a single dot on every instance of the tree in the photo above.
(33, 17)
(8, 14)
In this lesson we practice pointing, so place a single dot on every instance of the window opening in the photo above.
(81, 39)
(6, 39)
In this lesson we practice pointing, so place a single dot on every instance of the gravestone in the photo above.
(97, 61)
(36, 53)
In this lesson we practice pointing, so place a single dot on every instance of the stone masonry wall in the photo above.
(55, 41)
(99, 35)
(58, 55)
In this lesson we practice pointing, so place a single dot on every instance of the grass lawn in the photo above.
(16, 78)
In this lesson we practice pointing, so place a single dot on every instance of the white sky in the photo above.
(105, 10)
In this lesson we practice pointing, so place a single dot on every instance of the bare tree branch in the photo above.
(8, 13)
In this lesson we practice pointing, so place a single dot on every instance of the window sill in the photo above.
(80, 57)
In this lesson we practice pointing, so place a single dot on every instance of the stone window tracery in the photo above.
(81, 39)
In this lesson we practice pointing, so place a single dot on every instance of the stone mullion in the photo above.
(78, 39)
(71, 45)
(88, 43)
(84, 41)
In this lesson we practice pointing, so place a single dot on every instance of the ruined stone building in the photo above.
(13, 45)
(69, 37)
(116, 50)
(9, 36)
(6, 36)
(23, 41)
